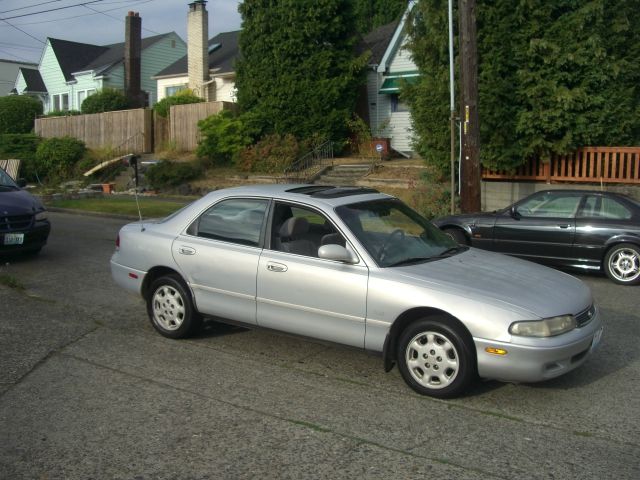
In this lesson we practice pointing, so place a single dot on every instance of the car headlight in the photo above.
(547, 327)
(40, 216)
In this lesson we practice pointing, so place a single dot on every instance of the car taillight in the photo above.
(118, 242)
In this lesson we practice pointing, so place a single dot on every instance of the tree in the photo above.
(298, 73)
(18, 113)
(370, 14)
(553, 76)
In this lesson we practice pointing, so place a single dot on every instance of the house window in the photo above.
(172, 90)
(397, 105)
(60, 103)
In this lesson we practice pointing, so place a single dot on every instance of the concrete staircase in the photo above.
(343, 174)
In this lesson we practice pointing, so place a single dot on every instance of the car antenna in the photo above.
(133, 163)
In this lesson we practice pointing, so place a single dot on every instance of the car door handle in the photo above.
(564, 225)
(276, 267)
(187, 251)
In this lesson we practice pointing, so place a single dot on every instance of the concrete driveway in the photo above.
(89, 391)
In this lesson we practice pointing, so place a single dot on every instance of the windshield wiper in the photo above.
(451, 251)
(410, 260)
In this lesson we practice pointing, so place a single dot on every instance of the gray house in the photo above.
(8, 73)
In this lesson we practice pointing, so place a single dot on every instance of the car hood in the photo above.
(18, 202)
(508, 281)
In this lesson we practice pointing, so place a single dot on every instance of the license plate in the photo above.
(596, 338)
(13, 238)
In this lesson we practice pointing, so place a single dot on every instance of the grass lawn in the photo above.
(151, 207)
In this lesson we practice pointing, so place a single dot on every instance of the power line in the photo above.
(30, 6)
(20, 30)
(120, 19)
(51, 10)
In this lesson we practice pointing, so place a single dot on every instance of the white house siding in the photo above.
(401, 133)
(86, 84)
(225, 89)
(401, 60)
(52, 77)
(20, 83)
(164, 83)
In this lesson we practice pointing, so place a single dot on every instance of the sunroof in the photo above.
(327, 191)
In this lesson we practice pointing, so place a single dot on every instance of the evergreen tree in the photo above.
(298, 74)
(371, 14)
(553, 76)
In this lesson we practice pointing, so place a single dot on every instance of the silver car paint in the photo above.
(485, 291)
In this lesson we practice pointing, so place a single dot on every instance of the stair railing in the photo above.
(320, 156)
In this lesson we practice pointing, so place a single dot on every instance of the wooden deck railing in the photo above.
(585, 165)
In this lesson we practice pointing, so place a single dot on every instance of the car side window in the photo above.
(602, 207)
(550, 204)
(301, 231)
(237, 220)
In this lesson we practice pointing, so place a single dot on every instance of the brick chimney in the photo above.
(198, 48)
(132, 59)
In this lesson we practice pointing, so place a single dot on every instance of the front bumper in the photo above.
(34, 239)
(535, 363)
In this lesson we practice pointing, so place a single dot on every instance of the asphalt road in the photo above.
(89, 391)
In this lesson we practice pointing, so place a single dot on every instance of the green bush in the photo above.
(272, 154)
(106, 100)
(171, 174)
(183, 97)
(18, 113)
(22, 146)
(223, 136)
(63, 113)
(56, 157)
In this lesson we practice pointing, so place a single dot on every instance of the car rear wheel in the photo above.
(458, 235)
(435, 357)
(622, 264)
(171, 309)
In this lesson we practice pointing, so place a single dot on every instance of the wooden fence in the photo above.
(126, 131)
(585, 165)
(183, 122)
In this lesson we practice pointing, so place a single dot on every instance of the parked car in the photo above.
(588, 230)
(24, 226)
(357, 267)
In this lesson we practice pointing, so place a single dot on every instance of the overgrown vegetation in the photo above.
(553, 76)
(168, 174)
(223, 136)
(18, 113)
(56, 158)
(272, 154)
(64, 113)
(23, 147)
(370, 14)
(298, 74)
(105, 100)
(183, 97)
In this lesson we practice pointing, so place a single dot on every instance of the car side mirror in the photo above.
(21, 182)
(337, 253)
(514, 213)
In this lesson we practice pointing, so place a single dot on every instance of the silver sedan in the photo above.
(354, 266)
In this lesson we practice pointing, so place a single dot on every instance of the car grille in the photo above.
(586, 316)
(14, 222)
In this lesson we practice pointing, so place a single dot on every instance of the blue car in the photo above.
(24, 227)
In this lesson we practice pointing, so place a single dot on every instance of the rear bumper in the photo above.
(527, 363)
(128, 278)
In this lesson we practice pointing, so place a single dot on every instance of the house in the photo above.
(390, 65)
(8, 72)
(70, 71)
(29, 82)
(208, 69)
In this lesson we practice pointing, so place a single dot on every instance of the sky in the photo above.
(99, 22)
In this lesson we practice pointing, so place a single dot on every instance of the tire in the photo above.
(170, 308)
(458, 235)
(436, 357)
(622, 264)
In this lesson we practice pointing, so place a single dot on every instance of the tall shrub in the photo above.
(56, 157)
(222, 136)
(18, 113)
(183, 97)
(106, 100)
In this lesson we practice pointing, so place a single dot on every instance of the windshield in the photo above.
(394, 234)
(6, 183)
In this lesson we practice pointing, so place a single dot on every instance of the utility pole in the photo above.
(470, 164)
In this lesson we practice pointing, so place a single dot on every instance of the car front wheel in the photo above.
(435, 357)
(622, 264)
(171, 309)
